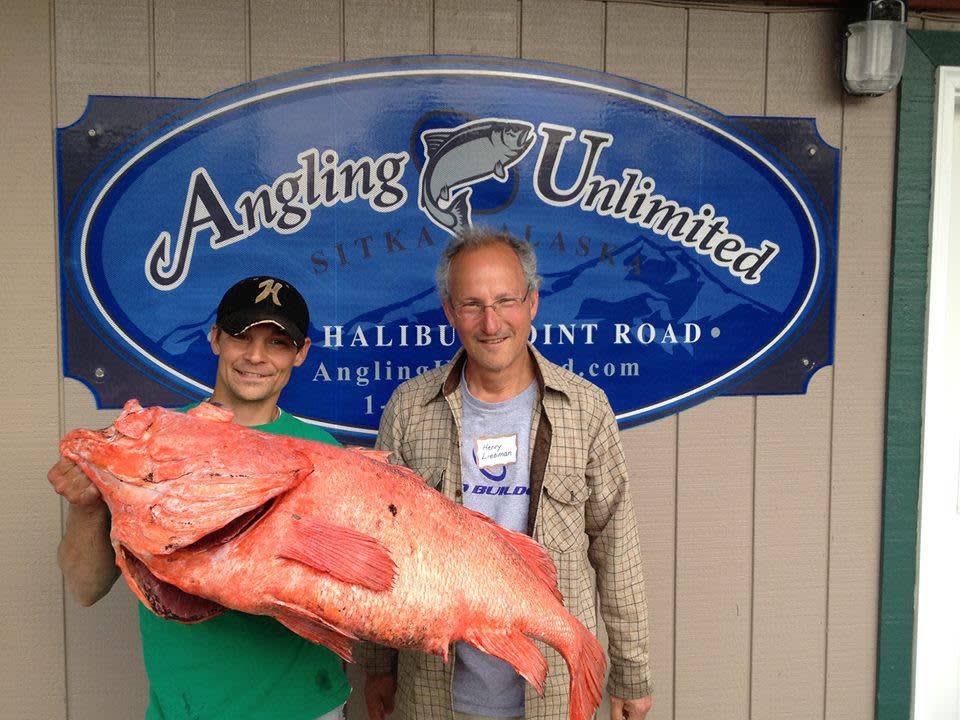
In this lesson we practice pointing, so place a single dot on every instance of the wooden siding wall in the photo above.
(761, 517)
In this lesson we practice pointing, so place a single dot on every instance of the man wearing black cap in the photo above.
(233, 665)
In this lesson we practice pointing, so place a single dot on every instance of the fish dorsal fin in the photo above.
(341, 552)
(537, 559)
(433, 139)
(134, 420)
(378, 455)
(499, 172)
(211, 411)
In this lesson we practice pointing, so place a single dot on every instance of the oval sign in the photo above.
(681, 251)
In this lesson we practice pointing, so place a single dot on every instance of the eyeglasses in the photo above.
(504, 306)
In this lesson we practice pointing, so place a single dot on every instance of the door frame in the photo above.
(926, 51)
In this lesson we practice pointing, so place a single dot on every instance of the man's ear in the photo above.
(215, 339)
(302, 353)
(534, 303)
(448, 311)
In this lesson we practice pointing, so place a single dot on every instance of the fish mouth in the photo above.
(165, 600)
(523, 138)
(237, 527)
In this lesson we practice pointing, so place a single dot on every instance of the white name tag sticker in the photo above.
(496, 451)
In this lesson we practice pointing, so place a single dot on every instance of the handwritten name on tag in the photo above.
(495, 451)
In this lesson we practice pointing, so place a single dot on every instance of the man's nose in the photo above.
(490, 321)
(256, 351)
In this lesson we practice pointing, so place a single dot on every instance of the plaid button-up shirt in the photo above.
(580, 511)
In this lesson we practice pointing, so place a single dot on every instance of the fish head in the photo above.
(110, 453)
(179, 487)
(172, 479)
(517, 137)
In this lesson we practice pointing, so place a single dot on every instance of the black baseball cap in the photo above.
(264, 299)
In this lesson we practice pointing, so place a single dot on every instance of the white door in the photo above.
(937, 666)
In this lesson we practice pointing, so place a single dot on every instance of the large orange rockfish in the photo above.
(336, 544)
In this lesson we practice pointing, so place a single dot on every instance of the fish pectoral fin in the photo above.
(341, 552)
(514, 647)
(433, 139)
(378, 455)
(499, 172)
(317, 630)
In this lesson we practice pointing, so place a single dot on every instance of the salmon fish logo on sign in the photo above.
(463, 156)
(685, 254)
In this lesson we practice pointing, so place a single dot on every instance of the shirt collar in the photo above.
(547, 375)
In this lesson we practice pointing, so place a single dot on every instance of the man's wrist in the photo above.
(93, 512)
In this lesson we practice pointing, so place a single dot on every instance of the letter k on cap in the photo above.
(269, 288)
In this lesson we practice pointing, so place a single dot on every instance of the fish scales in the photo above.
(335, 543)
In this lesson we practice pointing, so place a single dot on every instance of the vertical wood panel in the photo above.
(802, 70)
(377, 29)
(31, 607)
(726, 68)
(564, 31)
(651, 458)
(792, 498)
(727, 61)
(714, 559)
(791, 514)
(649, 44)
(201, 46)
(291, 34)
(866, 209)
(469, 27)
(102, 48)
(103, 641)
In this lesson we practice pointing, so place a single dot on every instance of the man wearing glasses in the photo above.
(536, 448)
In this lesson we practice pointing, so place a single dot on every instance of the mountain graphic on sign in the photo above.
(672, 287)
(184, 338)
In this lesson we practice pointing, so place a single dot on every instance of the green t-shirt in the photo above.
(236, 666)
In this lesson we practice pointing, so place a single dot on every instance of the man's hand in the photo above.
(621, 709)
(379, 691)
(85, 554)
(68, 480)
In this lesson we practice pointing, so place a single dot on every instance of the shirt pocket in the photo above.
(561, 512)
(432, 476)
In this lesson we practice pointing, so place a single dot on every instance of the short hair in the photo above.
(478, 237)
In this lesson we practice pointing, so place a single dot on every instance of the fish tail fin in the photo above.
(459, 208)
(514, 647)
(587, 665)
